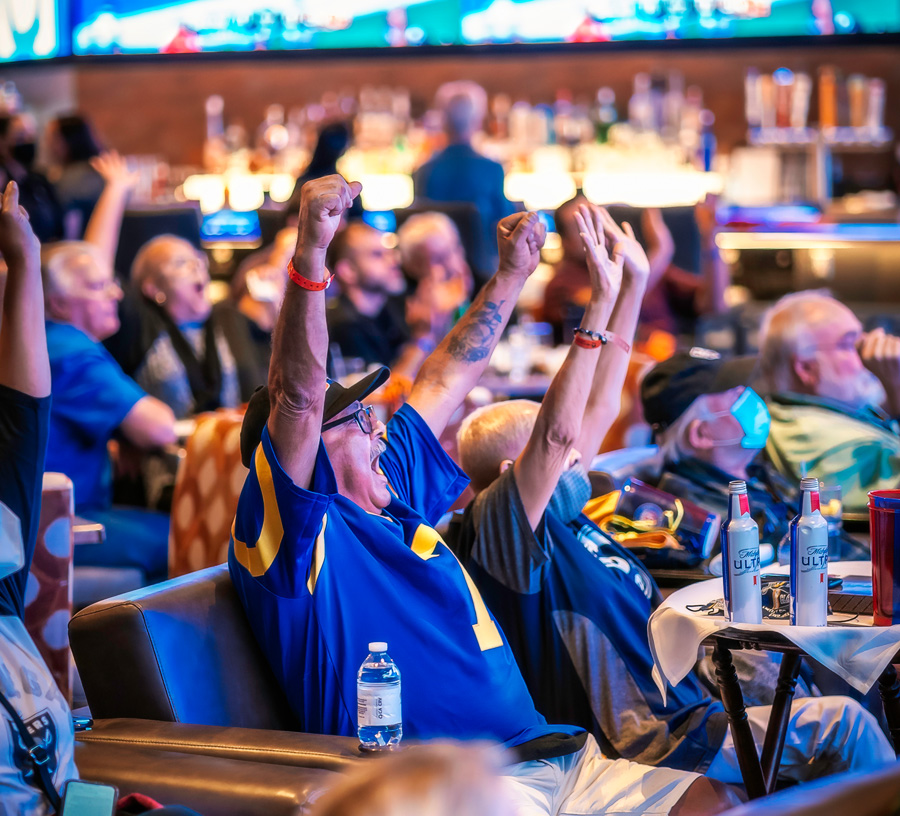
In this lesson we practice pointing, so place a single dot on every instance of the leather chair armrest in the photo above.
(212, 786)
(292, 748)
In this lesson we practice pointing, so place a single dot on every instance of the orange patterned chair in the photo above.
(207, 488)
(48, 593)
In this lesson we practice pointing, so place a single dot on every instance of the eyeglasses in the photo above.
(850, 342)
(100, 290)
(364, 418)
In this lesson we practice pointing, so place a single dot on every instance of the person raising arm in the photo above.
(103, 227)
(638, 271)
(457, 364)
(300, 341)
(23, 344)
(551, 447)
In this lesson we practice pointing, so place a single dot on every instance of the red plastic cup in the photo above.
(884, 527)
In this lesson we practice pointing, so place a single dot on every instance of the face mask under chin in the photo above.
(571, 494)
(752, 415)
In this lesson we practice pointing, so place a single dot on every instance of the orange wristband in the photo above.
(306, 283)
(586, 342)
(589, 339)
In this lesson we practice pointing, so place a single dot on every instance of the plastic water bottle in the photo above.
(809, 560)
(380, 725)
(740, 558)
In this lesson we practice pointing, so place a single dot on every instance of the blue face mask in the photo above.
(753, 416)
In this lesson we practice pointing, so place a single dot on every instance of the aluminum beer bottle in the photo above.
(740, 558)
(809, 560)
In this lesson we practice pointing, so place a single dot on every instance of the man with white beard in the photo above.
(834, 396)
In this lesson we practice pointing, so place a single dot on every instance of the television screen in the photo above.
(29, 29)
(193, 26)
(542, 21)
(196, 26)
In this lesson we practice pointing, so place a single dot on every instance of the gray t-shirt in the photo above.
(574, 606)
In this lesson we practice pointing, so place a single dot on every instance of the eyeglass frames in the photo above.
(364, 418)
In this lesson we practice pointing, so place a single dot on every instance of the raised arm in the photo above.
(102, 230)
(24, 364)
(715, 276)
(660, 244)
(559, 423)
(456, 365)
(300, 340)
(606, 390)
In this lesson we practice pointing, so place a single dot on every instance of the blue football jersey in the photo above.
(320, 578)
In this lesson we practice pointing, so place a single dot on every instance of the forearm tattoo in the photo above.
(473, 340)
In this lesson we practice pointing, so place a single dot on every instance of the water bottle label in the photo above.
(378, 706)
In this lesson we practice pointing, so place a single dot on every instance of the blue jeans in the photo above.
(134, 538)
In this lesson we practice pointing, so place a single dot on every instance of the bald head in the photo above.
(493, 434)
(174, 274)
(150, 263)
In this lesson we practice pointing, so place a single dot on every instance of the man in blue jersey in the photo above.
(573, 603)
(333, 546)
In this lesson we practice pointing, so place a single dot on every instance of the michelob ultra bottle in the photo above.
(809, 560)
(740, 559)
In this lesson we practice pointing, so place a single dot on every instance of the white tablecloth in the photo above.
(853, 649)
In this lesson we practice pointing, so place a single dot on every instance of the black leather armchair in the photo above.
(173, 672)
(212, 786)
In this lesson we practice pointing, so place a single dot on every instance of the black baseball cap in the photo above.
(337, 398)
(670, 387)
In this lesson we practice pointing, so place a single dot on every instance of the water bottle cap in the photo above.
(809, 483)
(737, 486)
(377, 646)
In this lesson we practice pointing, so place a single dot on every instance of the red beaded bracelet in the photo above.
(590, 339)
(306, 283)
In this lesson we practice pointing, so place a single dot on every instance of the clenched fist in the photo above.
(323, 202)
(520, 237)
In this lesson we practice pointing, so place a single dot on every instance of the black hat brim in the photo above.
(337, 398)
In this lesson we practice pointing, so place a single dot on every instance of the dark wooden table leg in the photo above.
(780, 717)
(733, 701)
(889, 687)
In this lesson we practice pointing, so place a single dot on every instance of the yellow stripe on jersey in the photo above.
(485, 629)
(424, 543)
(318, 557)
(257, 559)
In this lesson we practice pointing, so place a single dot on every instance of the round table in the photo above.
(852, 647)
